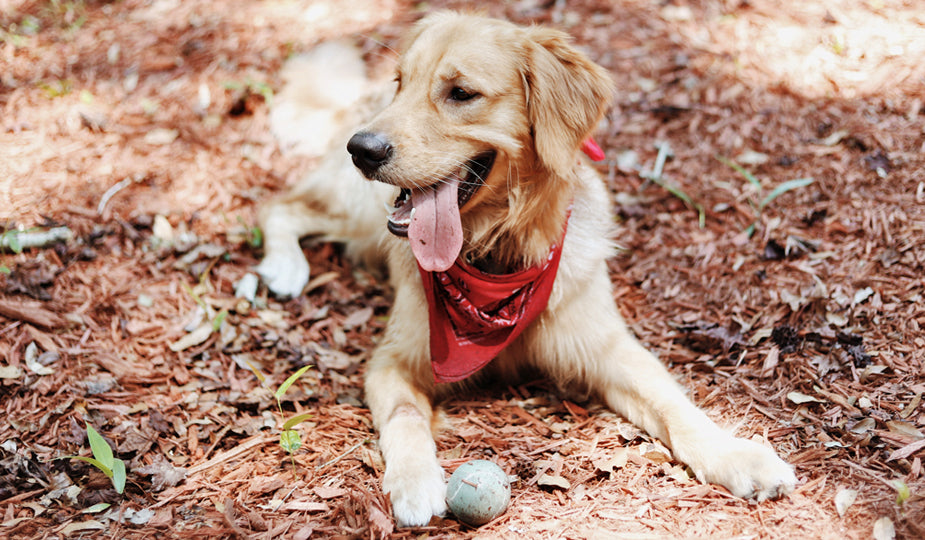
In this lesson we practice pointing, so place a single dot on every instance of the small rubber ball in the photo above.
(478, 492)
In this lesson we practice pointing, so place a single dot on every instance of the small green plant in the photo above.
(103, 459)
(775, 193)
(252, 86)
(253, 234)
(289, 439)
(57, 88)
(10, 240)
(4, 269)
(664, 151)
(902, 492)
(215, 318)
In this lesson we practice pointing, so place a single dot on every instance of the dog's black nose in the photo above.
(369, 150)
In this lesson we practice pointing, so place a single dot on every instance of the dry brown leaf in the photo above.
(553, 481)
(612, 461)
(163, 473)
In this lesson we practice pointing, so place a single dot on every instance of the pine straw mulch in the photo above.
(142, 126)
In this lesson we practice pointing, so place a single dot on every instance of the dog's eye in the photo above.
(461, 94)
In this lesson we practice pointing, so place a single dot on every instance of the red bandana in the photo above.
(474, 315)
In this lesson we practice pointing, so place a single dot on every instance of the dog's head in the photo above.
(482, 136)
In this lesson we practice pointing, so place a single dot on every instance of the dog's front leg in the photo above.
(398, 392)
(283, 221)
(639, 387)
(635, 384)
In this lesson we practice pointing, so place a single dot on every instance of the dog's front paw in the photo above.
(417, 490)
(748, 470)
(285, 272)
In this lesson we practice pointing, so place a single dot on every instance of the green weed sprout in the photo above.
(775, 193)
(664, 151)
(111, 466)
(254, 234)
(252, 86)
(903, 493)
(289, 439)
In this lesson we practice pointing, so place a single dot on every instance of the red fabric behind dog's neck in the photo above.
(474, 315)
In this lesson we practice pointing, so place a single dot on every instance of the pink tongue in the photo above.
(435, 231)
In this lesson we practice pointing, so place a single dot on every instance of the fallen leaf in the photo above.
(905, 429)
(32, 361)
(161, 136)
(792, 300)
(655, 452)
(844, 499)
(358, 318)
(90, 525)
(553, 481)
(711, 338)
(884, 529)
(862, 295)
(863, 426)
(321, 280)
(140, 517)
(163, 473)
(196, 337)
(799, 398)
(751, 157)
(98, 507)
(10, 372)
(273, 318)
(615, 460)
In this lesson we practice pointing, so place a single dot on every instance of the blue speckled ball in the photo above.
(478, 492)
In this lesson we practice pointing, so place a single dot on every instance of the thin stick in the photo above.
(345, 454)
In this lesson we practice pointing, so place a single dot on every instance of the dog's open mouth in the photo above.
(429, 217)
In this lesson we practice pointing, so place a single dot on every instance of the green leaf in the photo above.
(741, 170)
(902, 492)
(103, 468)
(4, 269)
(677, 192)
(101, 450)
(118, 475)
(784, 188)
(10, 240)
(260, 376)
(290, 440)
(288, 382)
(255, 238)
(296, 420)
(219, 319)
(98, 507)
(189, 290)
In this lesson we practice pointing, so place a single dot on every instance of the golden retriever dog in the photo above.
(495, 237)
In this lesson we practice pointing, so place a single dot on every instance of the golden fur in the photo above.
(538, 98)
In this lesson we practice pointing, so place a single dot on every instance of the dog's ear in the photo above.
(567, 94)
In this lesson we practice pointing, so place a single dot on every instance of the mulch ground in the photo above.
(792, 315)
